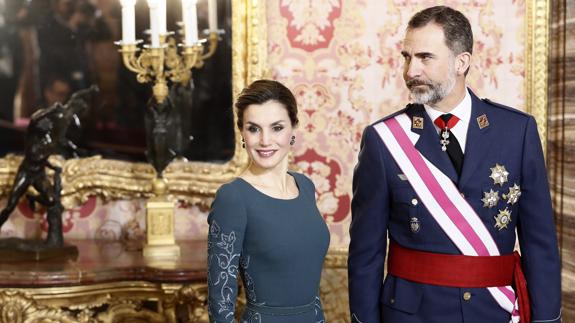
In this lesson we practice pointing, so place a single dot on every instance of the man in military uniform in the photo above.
(451, 178)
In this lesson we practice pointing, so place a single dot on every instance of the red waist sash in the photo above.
(460, 271)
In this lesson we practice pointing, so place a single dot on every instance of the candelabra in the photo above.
(160, 62)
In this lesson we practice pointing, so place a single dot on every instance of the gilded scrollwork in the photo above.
(19, 307)
(106, 303)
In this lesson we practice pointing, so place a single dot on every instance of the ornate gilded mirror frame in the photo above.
(192, 182)
(536, 63)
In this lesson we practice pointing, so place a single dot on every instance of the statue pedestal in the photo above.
(16, 250)
(161, 241)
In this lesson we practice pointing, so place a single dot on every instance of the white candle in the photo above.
(213, 15)
(154, 22)
(190, 20)
(128, 21)
(162, 14)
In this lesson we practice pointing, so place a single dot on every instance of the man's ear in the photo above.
(462, 62)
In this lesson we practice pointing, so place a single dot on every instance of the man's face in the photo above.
(429, 66)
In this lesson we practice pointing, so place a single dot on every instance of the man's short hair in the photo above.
(456, 27)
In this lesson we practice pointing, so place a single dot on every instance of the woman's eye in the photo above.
(253, 129)
(278, 128)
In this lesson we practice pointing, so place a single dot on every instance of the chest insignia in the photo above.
(503, 219)
(414, 225)
(490, 198)
(417, 123)
(514, 193)
(482, 121)
(499, 174)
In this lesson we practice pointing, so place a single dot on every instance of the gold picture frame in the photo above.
(536, 63)
(192, 182)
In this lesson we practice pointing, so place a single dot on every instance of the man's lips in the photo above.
(414, 83)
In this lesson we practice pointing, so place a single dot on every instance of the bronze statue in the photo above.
(46, 136)
(165, 139)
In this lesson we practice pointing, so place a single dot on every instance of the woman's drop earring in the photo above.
(292, 141)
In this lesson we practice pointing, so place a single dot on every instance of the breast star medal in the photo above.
(514, 193)
(499, 174)
(502, 219)
(490, 198)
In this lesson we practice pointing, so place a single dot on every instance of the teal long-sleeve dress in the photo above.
(276, 246)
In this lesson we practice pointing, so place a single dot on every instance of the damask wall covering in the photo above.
(342, 60)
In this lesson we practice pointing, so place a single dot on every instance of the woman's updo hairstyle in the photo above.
(262, 91)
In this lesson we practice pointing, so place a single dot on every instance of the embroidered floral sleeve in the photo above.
(227, 221)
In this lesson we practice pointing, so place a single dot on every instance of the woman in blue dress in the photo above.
(265, 227)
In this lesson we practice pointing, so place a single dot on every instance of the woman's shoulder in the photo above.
(230, 191)
(228, 205)
(302, 179)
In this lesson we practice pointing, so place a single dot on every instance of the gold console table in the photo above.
(106, 283)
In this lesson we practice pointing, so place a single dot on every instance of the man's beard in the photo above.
(431, 92)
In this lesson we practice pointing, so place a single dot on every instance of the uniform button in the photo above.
(467, 296)
(392, 300)
(414, 202)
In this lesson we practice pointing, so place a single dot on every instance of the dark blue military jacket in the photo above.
(385, 204)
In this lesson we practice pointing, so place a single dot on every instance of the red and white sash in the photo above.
(443, 201)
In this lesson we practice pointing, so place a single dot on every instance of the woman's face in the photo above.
(267, 131)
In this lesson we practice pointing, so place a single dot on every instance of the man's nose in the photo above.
(412, 69)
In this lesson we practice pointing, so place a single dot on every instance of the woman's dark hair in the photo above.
(262, 91)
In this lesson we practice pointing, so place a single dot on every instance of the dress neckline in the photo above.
(271, 197)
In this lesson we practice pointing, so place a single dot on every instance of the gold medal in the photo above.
(502, 219)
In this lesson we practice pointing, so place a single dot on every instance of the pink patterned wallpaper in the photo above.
(341, 59)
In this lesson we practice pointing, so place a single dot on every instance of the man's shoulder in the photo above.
(392, 115)
(504, 109)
